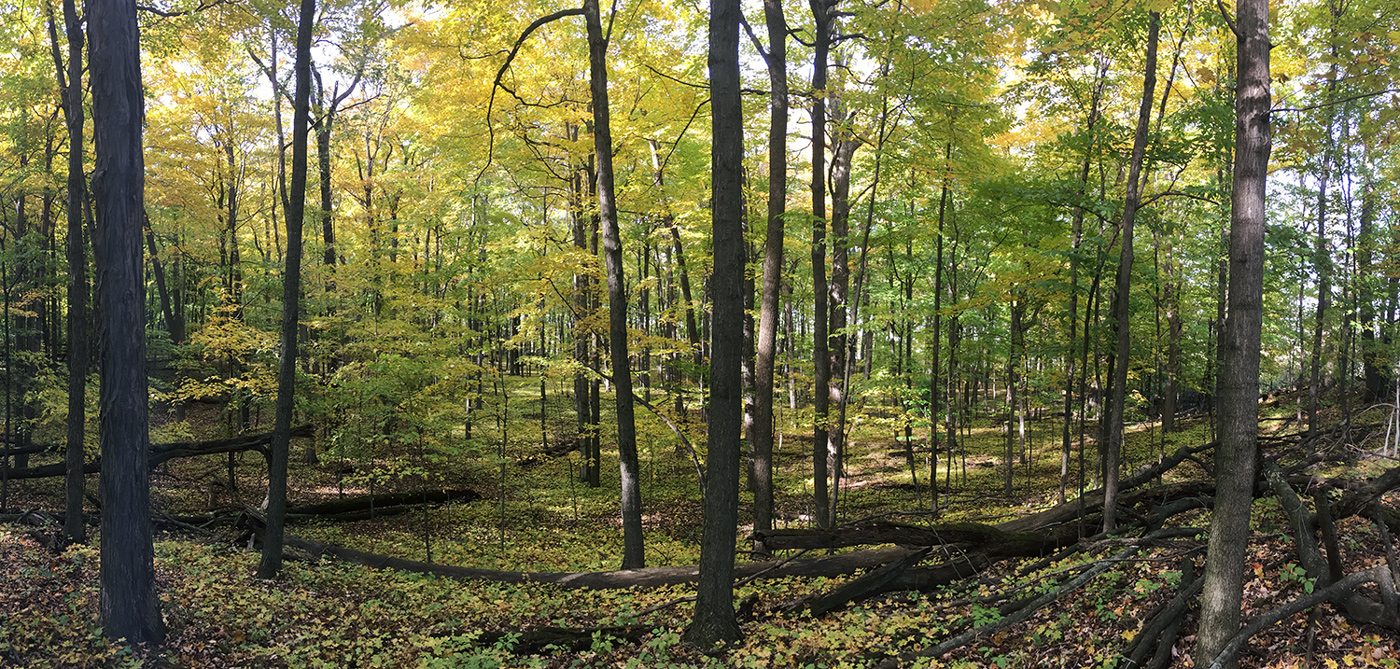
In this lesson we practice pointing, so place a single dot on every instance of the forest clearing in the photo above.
(902, 333)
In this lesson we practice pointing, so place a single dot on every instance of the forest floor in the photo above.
(533, 515)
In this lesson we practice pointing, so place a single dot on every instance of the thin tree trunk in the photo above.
(821, 360)
(271, 562)
(1121, 312)
(763, 429)
(1371, 356)
(1076, 239)
(633, 551)
(74, 528)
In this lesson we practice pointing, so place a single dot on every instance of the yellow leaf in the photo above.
(1331, 663)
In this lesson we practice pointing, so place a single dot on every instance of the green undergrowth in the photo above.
(534, 515)
(332, 614)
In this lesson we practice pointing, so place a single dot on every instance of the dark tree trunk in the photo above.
(130, 609)
(74, 529)
(1239, 386)
(935, 388)
(291, 295)
(633, 552)
(1121, 313)
(822, 363)
(714, 607)
(762, 434)
(839, 310)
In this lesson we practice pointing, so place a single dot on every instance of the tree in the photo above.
(291, 295)
(74, 527)
(1121, 312)
(821, 15)
(1239, 374)
(714, 605)
(761, 438)
(633, 552)
(129, 606)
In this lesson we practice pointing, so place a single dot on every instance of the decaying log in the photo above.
(650, 577)
(161, 453)
(566, 639)
(996, 540)
(1357, 607)
(868, 585)
(350, 508)
(1028, 536)
(1023, 613)
(1159, 630)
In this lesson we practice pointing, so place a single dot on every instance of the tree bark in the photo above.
(822, 363)
(762, 435)
(75, 531)
(714, 606)
(633, 550)
(291, 295)
(1123, 287)
(1239, 379)
(129, 606)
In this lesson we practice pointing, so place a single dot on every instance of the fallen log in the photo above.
(1357, 607)
(1159, 631)
(649, 577)
(971, 635)
(568, 639)
(161, 453)
(380, 503)
(1379, 575)
(1028, 536)
(874, 582)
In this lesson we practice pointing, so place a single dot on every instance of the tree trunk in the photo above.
(1076, 239)
(763, 429)
(714, 606)
(839, 309)
(1371, 357)
(1239, 406)
(74, 529)
(129, 606)
(291, 295)
(821, 360)
(1322, 269)
(633, 555)
(1121, 314)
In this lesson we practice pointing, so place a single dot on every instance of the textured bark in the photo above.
(70, 84)
(762, 434)
(633, 550)
(1123, 287)
(291, 297)
(840, 309)
(822, 363)
(129, 606)
(714, 619)
(1239, 374)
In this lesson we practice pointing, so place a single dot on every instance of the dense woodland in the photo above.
(651, 333)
